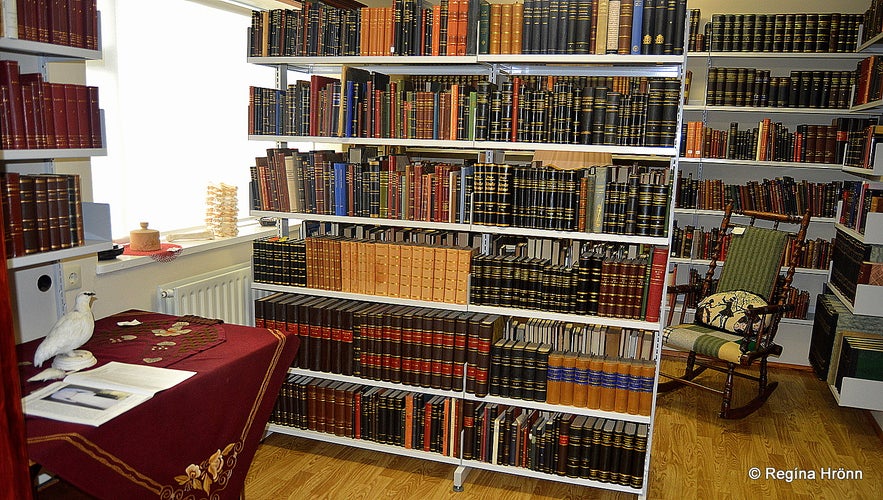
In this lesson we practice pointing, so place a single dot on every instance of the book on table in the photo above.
(95, 396)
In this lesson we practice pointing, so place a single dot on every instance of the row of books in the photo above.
(604, 282)
(410, 420)
(789, 32)
(600, 383)
(768, 141)
(559, 110)
(860, 198)
(606, 450)
(280, 260)
(862, 141)
(690, 242)
(41, 212)
(872, 21)
(868, 87)
(420, 272)
(848, 256)
(860, 357)
(615, 199)
(827, 89)
(415, 346)
(581, 338)
(781, 195)
(73, 23)
(38, 115)
(469, 27)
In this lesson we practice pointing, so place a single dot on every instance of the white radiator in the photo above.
(223, 294)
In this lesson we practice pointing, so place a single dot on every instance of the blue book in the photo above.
(340, 189)
(637, 20)
(350, 104)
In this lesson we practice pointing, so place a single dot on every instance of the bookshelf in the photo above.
(37, 157)
(475, 380)
(715, 104)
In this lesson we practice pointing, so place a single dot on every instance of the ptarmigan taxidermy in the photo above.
(70, 331)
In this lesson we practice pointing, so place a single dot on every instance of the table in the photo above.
(195, 440)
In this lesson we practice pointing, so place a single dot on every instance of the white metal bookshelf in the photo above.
(607, 65)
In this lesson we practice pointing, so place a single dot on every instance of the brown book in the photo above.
(14, 110)
(78, 229)
(340, 409)
(395, 344)
(464, 262)
(42, 213)
(648, 374)
(608, 384)
(33, 93)
(555, 381)
(581, 381)
(428, 274)
(381, 268)
(394, 270)
(634, 392)
(593, 397)
(517, 28)
(563, 442)
(621, 395)
(438, 349)
(472, 345)
(496, 29)
(490, 329)
(461, 339)
(312, 404)
(10, 191)
(72, 116)
(569, 366)
(428, 350)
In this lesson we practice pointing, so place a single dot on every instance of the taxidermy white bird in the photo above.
(70, 331)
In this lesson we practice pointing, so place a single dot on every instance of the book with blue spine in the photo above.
(340, 189)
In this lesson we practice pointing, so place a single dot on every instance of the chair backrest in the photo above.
(754, 259)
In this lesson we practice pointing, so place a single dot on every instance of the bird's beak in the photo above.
(91, 294)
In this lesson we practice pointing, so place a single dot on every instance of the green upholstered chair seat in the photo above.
(704, 340)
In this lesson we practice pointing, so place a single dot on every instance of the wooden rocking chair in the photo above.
(736, 325)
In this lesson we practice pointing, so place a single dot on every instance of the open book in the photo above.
(95, 396)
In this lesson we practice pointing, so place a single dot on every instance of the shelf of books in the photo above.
(493, 313)
(760, 163)
(49, 50)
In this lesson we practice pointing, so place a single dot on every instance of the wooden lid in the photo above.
(144, 240)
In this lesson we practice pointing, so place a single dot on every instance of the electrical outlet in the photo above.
(73, 277)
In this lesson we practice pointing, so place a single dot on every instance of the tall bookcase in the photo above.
(493, 68)
(38, 279)
(705, 65)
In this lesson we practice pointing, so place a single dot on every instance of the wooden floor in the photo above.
(694, 455)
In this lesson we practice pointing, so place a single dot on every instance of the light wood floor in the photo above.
(694, 455)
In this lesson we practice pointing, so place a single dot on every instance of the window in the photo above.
(174, 89)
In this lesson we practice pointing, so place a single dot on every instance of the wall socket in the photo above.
(73, 277)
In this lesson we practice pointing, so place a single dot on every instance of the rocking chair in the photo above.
(736, 324)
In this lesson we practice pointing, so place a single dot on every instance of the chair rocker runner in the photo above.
(737, 323)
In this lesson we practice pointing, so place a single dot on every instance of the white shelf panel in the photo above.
(868, 106)
(377, 383)
(873, 230)
(47, 154)
(444, 226)
(476, 145)
(361, 61)
(720, 213)
(867, 299)
(475, 228)
(520, 471)
(318, 292)
(704, 262)
(49, 50)
(576, 410)
(871, 46)
(770, 110)
(91, 247)
(762, 164)
(811, 56)
(859, 393)
(567, 318)
(363, 444)
(866, 172)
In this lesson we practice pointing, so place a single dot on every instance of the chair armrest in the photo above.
(770, 309)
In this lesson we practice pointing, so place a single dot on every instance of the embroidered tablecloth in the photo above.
(195, 440)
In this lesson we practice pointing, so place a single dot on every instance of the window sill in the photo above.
(248, 231)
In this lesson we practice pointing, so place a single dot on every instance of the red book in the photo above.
(658, 267)
(95, 139)
(14, 106)
(71, 119)
(436, 29)
(10, 191)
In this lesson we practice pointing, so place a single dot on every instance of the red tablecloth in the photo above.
(195, 440)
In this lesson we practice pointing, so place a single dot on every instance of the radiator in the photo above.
(223, 294)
